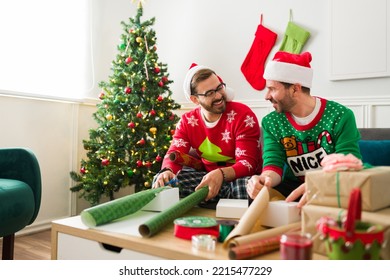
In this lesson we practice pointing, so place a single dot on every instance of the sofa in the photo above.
(375, 146)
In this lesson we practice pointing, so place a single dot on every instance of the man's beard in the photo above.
(212, 109)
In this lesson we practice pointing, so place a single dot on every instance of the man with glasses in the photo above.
(301, 131)
(222, 133)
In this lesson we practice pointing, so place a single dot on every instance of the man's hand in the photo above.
(256, 183)
(300, 191)
(163, 178)
(213, 180)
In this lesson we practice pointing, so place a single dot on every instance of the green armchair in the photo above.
(20, 194)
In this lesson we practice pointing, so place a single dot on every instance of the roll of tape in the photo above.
(204, 242)
(225, 227)
(186, 227)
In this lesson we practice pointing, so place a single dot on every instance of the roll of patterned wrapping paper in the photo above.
(255, 248)
(250, 217)
(155, 224)
(118, 208)
(186, 160)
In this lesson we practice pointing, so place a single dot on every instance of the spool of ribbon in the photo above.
(204, 242)
(186, 227)
(225, 227)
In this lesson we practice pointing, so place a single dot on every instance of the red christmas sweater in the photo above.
(233, 141)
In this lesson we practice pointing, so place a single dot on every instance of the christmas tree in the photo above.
(135, 118)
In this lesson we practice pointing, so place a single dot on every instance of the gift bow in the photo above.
(341, 162)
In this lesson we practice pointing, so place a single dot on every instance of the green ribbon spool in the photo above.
(225, 227)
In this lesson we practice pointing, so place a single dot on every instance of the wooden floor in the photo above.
(34, 246)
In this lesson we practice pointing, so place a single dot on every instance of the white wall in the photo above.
(217, 33)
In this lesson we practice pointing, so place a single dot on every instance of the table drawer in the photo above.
(71, 247)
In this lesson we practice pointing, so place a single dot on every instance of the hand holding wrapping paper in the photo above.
(118, 208)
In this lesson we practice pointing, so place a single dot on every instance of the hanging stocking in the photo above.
(253, 65)
(294, 38)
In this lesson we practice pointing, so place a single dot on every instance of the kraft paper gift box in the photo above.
(333, 188)
(312, 213)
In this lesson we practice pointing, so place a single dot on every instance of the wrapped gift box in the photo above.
(231, 208)
(280, 213)
(312, 213)
(333, 188)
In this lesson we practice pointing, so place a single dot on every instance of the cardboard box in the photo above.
(280, 213)
(333, 188)
(231, 208)
(312, 213)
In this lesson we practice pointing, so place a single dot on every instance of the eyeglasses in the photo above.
(210, 93)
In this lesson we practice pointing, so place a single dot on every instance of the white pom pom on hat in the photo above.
(290, 68)
(194, 68)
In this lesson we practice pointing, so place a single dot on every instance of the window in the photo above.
(44, 49)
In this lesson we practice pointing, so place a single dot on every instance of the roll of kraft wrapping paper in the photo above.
(118, 208)
(155, 224)
(250, 217)
(268, 233)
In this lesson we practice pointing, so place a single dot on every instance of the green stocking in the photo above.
(294, 38)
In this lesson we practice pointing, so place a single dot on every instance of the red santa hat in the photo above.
(194, 68)
(290, 68)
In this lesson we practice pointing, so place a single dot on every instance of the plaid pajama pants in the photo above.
(189, 179)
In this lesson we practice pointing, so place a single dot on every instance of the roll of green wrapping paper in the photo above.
(118, 208)
(155, 224)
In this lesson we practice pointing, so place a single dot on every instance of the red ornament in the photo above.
(164, 79)
(172, 117)
(156, 70)
(139, 163)
(105, 162)
(152, 112)
(160, 84)
(128, 90)
(143, 89)
(139, 115)
(160, 98)
(158, 158)
(141, 142)
(131, 125)
(172, 131)
(148, 164)
(101, 95)
(128, 60)
(83, 170)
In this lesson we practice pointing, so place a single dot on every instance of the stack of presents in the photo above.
(329, 197)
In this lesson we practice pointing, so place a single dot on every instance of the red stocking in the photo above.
(253, 65)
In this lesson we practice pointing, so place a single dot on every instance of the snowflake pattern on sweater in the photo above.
(291, 149)
(234, 141)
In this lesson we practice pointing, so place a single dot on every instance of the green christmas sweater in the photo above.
(291, 149)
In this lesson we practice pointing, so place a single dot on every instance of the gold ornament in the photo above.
(138, 40)
(147, 184)
(153, 130)
(109, 117)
